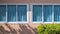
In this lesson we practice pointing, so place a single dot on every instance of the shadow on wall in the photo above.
(23, 29)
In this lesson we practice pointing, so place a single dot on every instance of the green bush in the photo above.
(48, 29)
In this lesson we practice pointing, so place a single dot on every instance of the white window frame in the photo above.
(23, 22)
(32, 13)
(52, 15)
(42, 12)
(7, 14)
(58, 21)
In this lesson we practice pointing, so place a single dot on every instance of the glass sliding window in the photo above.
(11, 9)
(2, 12)
(22, 12)
(47, 13)
(37, 13)
(57, 13)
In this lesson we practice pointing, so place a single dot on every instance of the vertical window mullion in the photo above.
(42, 14)
(6, 14)
(53, 13)
(27, 13)
(16, 14)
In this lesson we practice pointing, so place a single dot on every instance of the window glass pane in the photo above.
(57, 13)
(22, 12)
(47, 11)
(11, 13)
(37, 13)
(2, 12)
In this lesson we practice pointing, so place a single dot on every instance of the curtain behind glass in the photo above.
(57, 13)
(11, 13)
(47, 12)
(22, 12)
(37, 13)
(2, 12)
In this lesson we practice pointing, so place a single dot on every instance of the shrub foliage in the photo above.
(48, 29)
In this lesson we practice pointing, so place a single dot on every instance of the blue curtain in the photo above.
(47, 12)
(22, 12)
(57, 13)
(11, 9)
(2, 12)
(37, 13)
